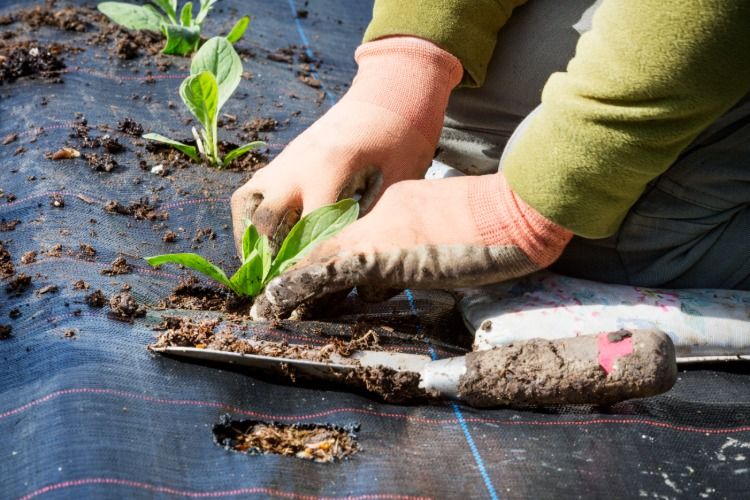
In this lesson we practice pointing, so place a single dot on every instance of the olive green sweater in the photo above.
(645, 81)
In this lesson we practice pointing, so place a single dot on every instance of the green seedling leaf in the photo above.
(235, 153)
(169, 7)
(249, 240)
(248, 280)
(203, 12)
(186, 14)
(218, 57)
(183, 148)
(194, 262)
(201, 95)
(181, 40)
(238, 30)
(134, 17)
(263, 248)
(311, 230)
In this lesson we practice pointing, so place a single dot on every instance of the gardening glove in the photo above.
(449, 233)
(385, 129)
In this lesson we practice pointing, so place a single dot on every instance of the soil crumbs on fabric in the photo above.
(319, 443)
(31, 61)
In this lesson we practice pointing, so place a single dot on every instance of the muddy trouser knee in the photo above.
(691, 226)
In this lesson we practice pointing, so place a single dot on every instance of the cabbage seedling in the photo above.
(258, 264)
(215, 73)
(183, 31)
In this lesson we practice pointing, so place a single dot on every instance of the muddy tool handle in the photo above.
(590, 369)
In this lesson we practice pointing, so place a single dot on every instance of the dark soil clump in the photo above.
(117, 267)
(319, 443)
(29, 257)
(6, 263)
(18, 285)
(124, 307)
(142, 209)
(96, 299)
(34, 61)
(130, 127)
(8, 225)
(101, 163)
(66, 18)
(189, 294)
(5, 332)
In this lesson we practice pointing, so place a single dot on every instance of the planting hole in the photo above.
(321, 443)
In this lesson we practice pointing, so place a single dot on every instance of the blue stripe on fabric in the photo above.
(460, 417)
(329, 97)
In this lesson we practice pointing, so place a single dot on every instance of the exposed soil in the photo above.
(249, 162)
(190, 294)
(316, 442)
(117, 267)
(124, 307)
(142, 209)
(169, 237)
(5, 332)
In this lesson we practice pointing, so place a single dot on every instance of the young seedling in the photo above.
(183, 31)
(258, 264)
(215, 73)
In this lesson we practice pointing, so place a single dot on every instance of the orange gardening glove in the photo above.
(447, 234)
(384, 130)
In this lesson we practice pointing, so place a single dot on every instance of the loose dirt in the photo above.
(18, 285)
(6, 263)
(96, 299)
(124, 307)
(142, 209)
(31, 61)
(8, 225)
(5, 332)
(117, 267)
(319, 443)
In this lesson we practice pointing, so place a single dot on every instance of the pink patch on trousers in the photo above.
(610, 351)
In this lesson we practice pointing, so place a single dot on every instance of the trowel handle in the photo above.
(589, 369)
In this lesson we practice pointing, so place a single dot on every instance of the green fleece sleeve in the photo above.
(645, 81)
(465, 28)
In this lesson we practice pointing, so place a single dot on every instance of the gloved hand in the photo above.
(449, 233)
(384, 130)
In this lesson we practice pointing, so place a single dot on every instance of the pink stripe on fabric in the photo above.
(207, 494)
(365, 411)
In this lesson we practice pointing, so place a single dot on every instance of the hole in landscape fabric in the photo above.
(321, 443)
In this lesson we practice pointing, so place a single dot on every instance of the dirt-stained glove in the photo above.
(384, 130)
(449, 233)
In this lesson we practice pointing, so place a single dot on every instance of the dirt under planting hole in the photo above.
(322, 443)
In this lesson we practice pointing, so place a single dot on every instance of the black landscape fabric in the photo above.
(86, 411)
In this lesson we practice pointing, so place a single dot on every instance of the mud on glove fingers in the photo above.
(443, 234)
(384, 130)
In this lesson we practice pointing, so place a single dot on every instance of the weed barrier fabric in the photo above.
(86, 411)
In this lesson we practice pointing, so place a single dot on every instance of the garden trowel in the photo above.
(590, 369)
